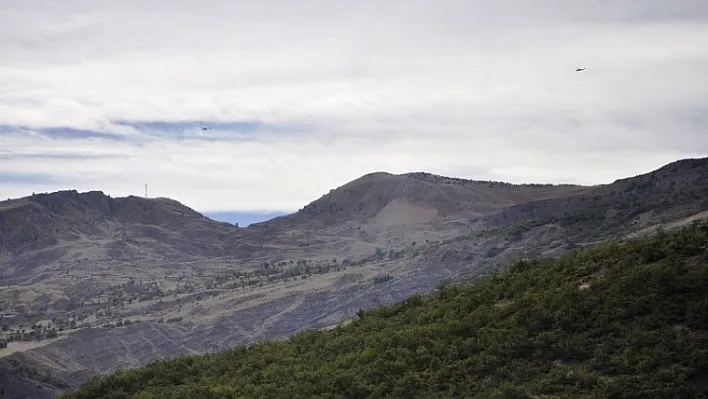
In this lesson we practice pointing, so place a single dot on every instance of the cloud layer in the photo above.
(304, 96)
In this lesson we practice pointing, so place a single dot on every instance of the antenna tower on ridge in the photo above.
(146, 190)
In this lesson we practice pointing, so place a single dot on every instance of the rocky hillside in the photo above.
(65, 226)
(623, 321)
(676, 190)
(427, 196)
(44, 220)
(300, 272)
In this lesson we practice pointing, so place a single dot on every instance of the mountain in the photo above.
(65, 227)
(137, 228)
(45, 220)
(386, 210)
(111, 293)
(418, 198)
(676, 188)
(620, 321)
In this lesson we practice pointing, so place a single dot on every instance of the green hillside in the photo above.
(617, 321)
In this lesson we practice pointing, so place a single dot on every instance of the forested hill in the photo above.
(617, 321)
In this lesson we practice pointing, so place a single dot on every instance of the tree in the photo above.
(638, 330)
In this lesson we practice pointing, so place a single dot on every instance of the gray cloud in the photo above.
(304, 96)
(27, 178)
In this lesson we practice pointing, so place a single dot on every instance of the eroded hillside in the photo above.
(427, 196)
(89, 312)
(45, 228)
(624, 321)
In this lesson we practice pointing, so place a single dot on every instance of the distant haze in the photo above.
(301, 97)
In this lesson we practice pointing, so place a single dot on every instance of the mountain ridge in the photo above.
(363, 198)
(678, 184)
(43, 220)
(232, 286)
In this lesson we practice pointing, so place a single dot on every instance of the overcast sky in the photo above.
(303, 96)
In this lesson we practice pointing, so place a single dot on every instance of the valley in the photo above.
(93, 284)
(623, 320)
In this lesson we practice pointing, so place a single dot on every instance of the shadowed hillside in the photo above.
(619, 321)
(44, 220)
(676, 190)
(68, 226)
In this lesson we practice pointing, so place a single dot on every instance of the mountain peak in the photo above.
(417, 197)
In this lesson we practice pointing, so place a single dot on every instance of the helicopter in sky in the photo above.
(579, 69)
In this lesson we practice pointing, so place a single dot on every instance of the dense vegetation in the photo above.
(623, 320)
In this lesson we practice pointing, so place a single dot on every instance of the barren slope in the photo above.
(676, 190)
(366, 197)
(318, 266)
(46, 220)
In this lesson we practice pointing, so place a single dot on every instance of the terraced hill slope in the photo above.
(620, 321)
